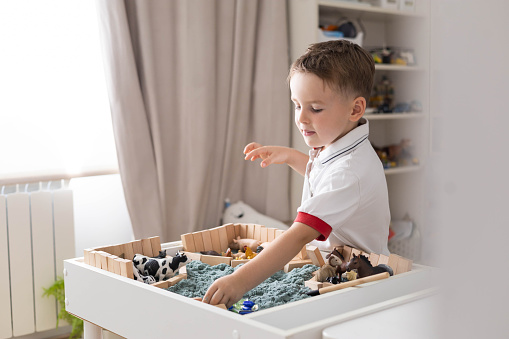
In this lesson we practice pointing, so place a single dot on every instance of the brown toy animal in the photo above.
(329, 269)
(364, 267)
(238, 244)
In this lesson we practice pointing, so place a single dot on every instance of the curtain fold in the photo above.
(190, 84)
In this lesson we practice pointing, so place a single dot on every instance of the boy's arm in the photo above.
(229, 289)
(277, 155)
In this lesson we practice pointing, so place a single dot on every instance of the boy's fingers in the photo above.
(251, 146)
(266, 162)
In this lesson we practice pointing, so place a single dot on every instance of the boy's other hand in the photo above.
(268, 154)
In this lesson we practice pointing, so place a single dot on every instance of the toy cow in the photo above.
(161, 268)
(239, 243)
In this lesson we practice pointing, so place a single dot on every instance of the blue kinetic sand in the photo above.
(279, 289)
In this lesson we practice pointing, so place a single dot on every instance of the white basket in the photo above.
(322, 37)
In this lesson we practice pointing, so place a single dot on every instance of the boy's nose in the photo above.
(303, 117)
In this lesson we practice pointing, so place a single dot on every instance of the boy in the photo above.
(344, 199)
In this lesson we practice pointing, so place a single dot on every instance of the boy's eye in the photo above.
(316, 110)
(297, 107)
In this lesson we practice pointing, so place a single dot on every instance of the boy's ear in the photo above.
(359, 107)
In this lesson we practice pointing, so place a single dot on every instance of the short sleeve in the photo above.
(337, 198)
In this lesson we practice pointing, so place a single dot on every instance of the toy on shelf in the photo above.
(397, 154)
(364, 267)
(392, 55)
(382, 96)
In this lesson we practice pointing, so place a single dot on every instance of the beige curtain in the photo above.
(191, 82)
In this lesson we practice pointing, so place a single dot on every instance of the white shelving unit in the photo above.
(390, 28)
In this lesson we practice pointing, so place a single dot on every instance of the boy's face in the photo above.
(321, 114)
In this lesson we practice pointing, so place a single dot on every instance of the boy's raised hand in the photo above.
(268, 154)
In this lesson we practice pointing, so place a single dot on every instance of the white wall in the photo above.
(470, 77)
(100, 212)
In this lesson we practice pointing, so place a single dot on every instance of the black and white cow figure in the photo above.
(160, 267)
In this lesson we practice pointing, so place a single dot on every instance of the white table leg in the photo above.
(91, 331)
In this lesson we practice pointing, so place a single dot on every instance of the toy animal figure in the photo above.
(239, 244)
(364, 267)
(147, 279)
(249, 254)
(341, 268)
(159, 268)
(329, 269)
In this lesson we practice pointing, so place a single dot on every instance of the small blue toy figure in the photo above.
(244, 306)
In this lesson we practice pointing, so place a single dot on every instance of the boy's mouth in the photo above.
(307, 133)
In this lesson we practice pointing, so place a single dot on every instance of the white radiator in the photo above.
(36, 235)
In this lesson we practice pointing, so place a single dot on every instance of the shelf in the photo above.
(393, 116)
(390, 67)
(364, 11)
(404, 169)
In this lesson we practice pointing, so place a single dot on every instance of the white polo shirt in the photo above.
(345, 195)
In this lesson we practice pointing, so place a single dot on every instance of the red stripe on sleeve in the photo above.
(316, 223)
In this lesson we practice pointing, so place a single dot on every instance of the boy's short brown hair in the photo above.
(344, 66)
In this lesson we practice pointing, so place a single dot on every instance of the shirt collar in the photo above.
(345, 144)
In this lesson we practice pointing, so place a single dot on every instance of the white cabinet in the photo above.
(382, 27)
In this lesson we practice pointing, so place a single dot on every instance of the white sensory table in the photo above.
(132, 309)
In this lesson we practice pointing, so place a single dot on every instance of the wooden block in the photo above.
(313, 284)
(296, 264)
(172, 281)
(118, 250)
(257, 232)
(404, 265)
(250, 231)
(137, 248)
(126, 268)
(278, 233)
(271, 234)
(236, 228)
(223, 239)
(128, 251)
(193, 255)
(347, 253)
(116, 265)
(104, 260)
(147, 247)
(303, 254)
(216, 243)
(207, 240)
(198, 242)
(230, 233)
(373, 259)
(315, 255)
(161, 284)
(111, 263)
(188, 242)
(97, 256)
(223, 306)
(243, 231)
(383, 259)
(87, 256)
(213, 260)
(264, 235)
(356, 252)
(238, 262)
(393, 262)
(182, 270)
(156, 246)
